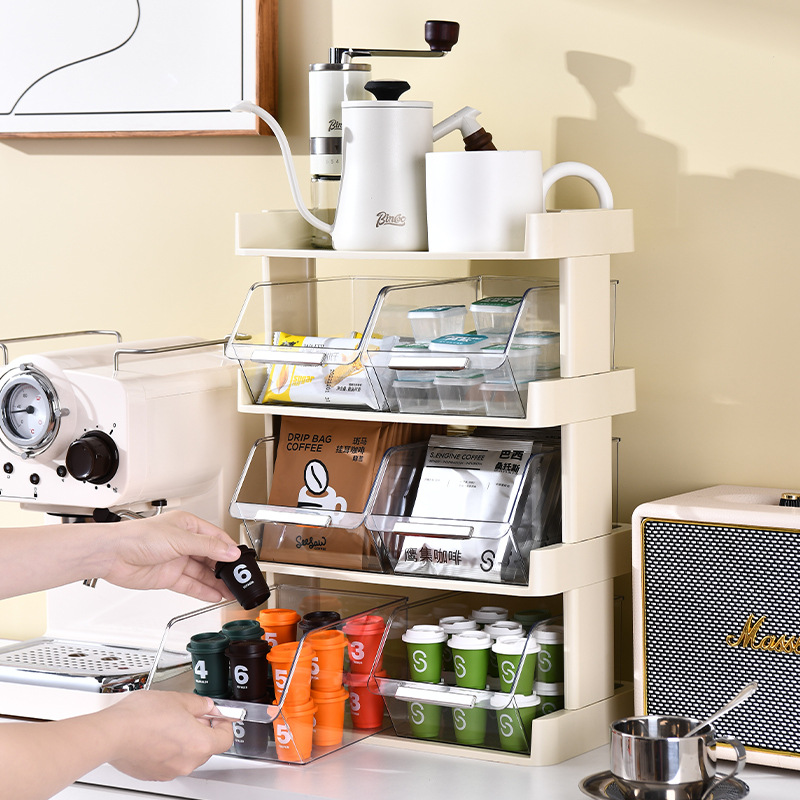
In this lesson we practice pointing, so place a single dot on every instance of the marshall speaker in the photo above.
(716, 580)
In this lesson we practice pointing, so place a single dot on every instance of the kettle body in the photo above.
(382, 195)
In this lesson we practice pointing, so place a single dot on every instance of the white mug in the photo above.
(477, 201)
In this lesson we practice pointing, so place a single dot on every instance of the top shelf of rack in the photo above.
(555, 234)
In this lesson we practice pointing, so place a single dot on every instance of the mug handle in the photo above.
(741, 757)
(578, 170)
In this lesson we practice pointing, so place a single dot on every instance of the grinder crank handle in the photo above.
(440, 35)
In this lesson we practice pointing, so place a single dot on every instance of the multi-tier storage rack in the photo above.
(581, 402)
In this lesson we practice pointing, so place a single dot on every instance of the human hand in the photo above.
(176, 550)
(160, 735)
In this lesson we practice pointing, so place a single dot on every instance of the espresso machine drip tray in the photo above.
(87, 666)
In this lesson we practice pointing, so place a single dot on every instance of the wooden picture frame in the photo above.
(119, 68)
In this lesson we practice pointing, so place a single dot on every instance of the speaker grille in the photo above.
(704, 586)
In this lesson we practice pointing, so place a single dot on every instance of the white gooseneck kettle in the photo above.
(381, 202)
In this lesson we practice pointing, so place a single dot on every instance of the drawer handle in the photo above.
(415, 692)
(451, 363)
(432, 529)
(290, 517)
(292, 357)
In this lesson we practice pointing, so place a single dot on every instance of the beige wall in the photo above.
(688, 108)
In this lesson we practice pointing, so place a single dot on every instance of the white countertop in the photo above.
(371, 770)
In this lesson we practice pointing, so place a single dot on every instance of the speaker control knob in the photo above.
(791, 499)
(93, 458)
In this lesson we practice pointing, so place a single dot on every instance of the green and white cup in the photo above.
(550, 638)
(505, 627)
(471, 658)
(424, 647)
(551, 695)
(425, 719)
(516, 654)
(515, 720)
(469, 725)
(451, 626)
(487, 615)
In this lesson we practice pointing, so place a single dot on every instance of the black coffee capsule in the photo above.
(249, 677)
(317, 619)
(244, 578)
(250, 738)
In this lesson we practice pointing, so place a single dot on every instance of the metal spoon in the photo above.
(741, 697)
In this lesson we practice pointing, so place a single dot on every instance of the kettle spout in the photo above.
(291, 174)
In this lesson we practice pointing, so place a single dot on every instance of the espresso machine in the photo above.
(107, 433)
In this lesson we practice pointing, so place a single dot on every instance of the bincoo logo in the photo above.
(770, 643)
(383, 218)
(334, 125)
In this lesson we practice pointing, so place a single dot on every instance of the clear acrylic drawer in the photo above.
(312, 536)
(321, 648)
(468, 345)
(442, 539)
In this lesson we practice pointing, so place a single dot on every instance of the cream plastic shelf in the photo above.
(555, 234)
(556, 569)
(582, 569)
(558, 401)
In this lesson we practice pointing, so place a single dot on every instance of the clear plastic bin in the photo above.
(503, 398)
(456, 358)
(460, 393)
(302, 342)
(309, 671)
(496, 551)
(432, 322)
(495, 316)
(416, 395)
(421, 685)
(293, 535)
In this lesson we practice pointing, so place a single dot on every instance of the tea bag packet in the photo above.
(479, 476)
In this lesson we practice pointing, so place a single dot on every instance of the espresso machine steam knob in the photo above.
(93, 458)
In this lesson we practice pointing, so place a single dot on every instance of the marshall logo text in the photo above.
(750, 636)
(388, 219)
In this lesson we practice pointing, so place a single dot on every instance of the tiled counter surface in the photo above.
(373, 770)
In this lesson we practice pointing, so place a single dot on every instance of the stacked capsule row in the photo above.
(523, 669)
(250, 660)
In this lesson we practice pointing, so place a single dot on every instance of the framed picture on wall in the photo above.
(135, 67)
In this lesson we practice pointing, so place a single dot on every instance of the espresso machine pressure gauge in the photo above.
(30, 413)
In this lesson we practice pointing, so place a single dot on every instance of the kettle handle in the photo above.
(577, 169)
(283, 143)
